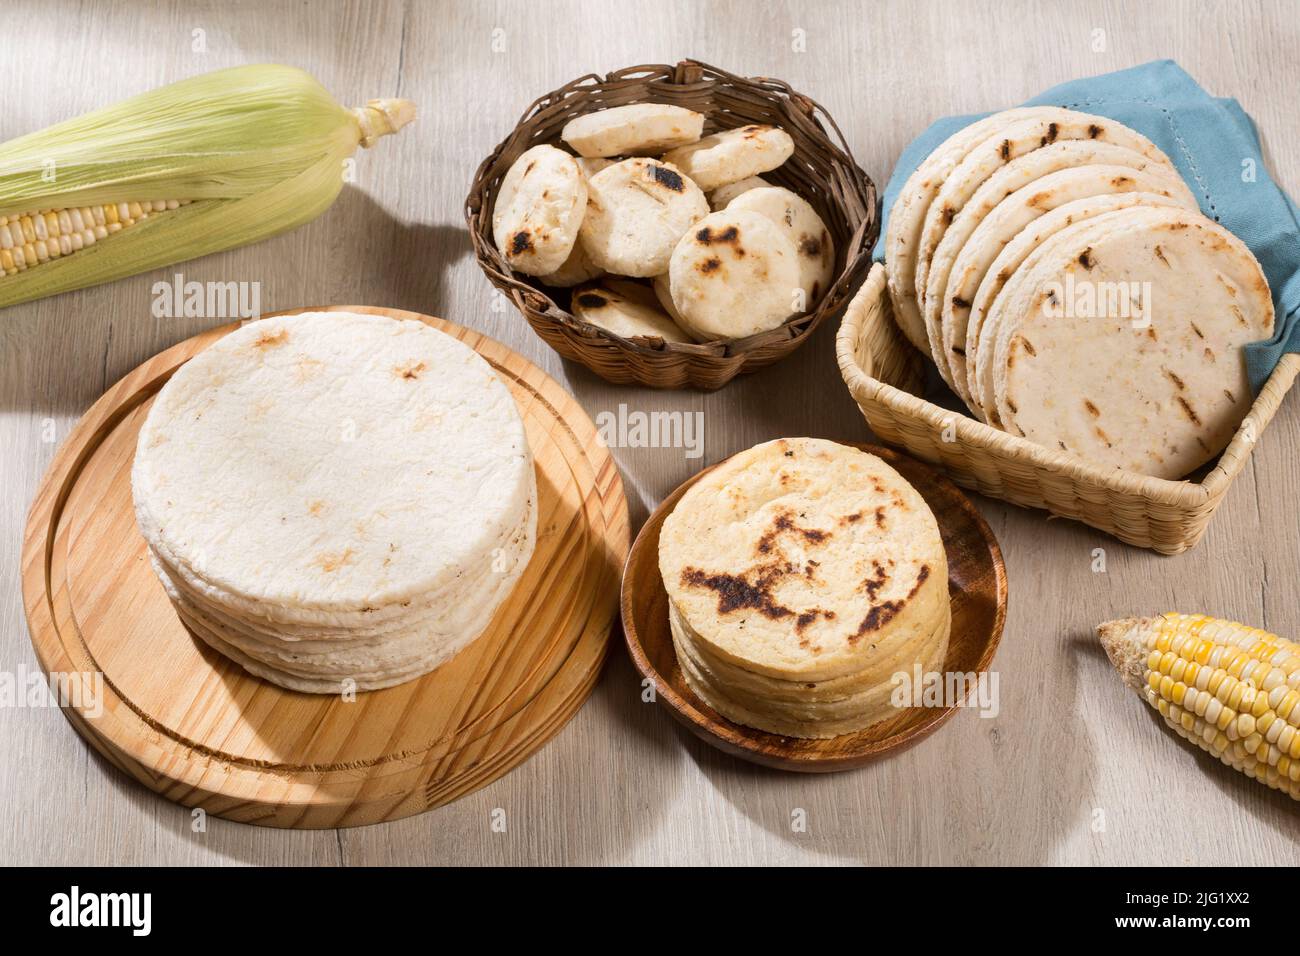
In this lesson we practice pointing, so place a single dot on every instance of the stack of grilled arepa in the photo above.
(802, 575)
(336, 501)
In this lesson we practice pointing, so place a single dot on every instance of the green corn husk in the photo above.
(253, 151)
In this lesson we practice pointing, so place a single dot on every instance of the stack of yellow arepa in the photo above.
(802, 575)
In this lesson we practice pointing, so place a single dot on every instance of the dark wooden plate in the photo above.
(977, 582)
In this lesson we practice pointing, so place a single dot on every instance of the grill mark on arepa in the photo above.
(809, 617)
(735, 592)
(879, 578)
(785, 523)
(666, 177)
(272, 339)
(884, 612)
(409, 371)
(331, 561)
(877, 617)
(708, 237)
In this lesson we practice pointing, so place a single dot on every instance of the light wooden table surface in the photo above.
(1073, 770)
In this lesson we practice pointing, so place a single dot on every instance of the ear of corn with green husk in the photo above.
(1232, 690)
(216, 161)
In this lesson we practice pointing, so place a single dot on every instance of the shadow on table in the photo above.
(977, 791)
(60, 354)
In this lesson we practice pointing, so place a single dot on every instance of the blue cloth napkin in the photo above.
(1215, 146)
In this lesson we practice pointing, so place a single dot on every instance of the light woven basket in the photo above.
(886, 376)
(822, 170)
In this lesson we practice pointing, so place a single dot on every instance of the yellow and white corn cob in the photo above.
(249, 152)
(1232, 690)
(28, 239)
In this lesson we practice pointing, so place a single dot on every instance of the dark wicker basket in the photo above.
(821, 170)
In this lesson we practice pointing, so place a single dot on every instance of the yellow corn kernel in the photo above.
(29, 239)
(1232, 690)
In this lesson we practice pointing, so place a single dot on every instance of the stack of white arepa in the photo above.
(1057, 269)
(802, 575)
(336, 501)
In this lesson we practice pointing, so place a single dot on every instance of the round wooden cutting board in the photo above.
(977, 585)
(197, 728)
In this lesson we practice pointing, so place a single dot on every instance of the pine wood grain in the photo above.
(194, 726)
(1071, 772)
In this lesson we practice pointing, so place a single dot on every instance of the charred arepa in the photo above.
(802, 575)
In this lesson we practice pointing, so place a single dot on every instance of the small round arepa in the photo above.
(795, 216)
(538, 210)
(591, 165)
(732, 155)
(576, 269)
(335, 500)
(664, 293)
(636, 129)
(626, 308)
(579, 267)
(637, 210)
(735, 273)
(722, 196)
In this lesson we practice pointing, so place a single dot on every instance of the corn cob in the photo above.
(239, 154)
(32, 238)
(1232, 690)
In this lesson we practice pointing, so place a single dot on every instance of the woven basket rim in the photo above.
(688, 74)
(1179, 493)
